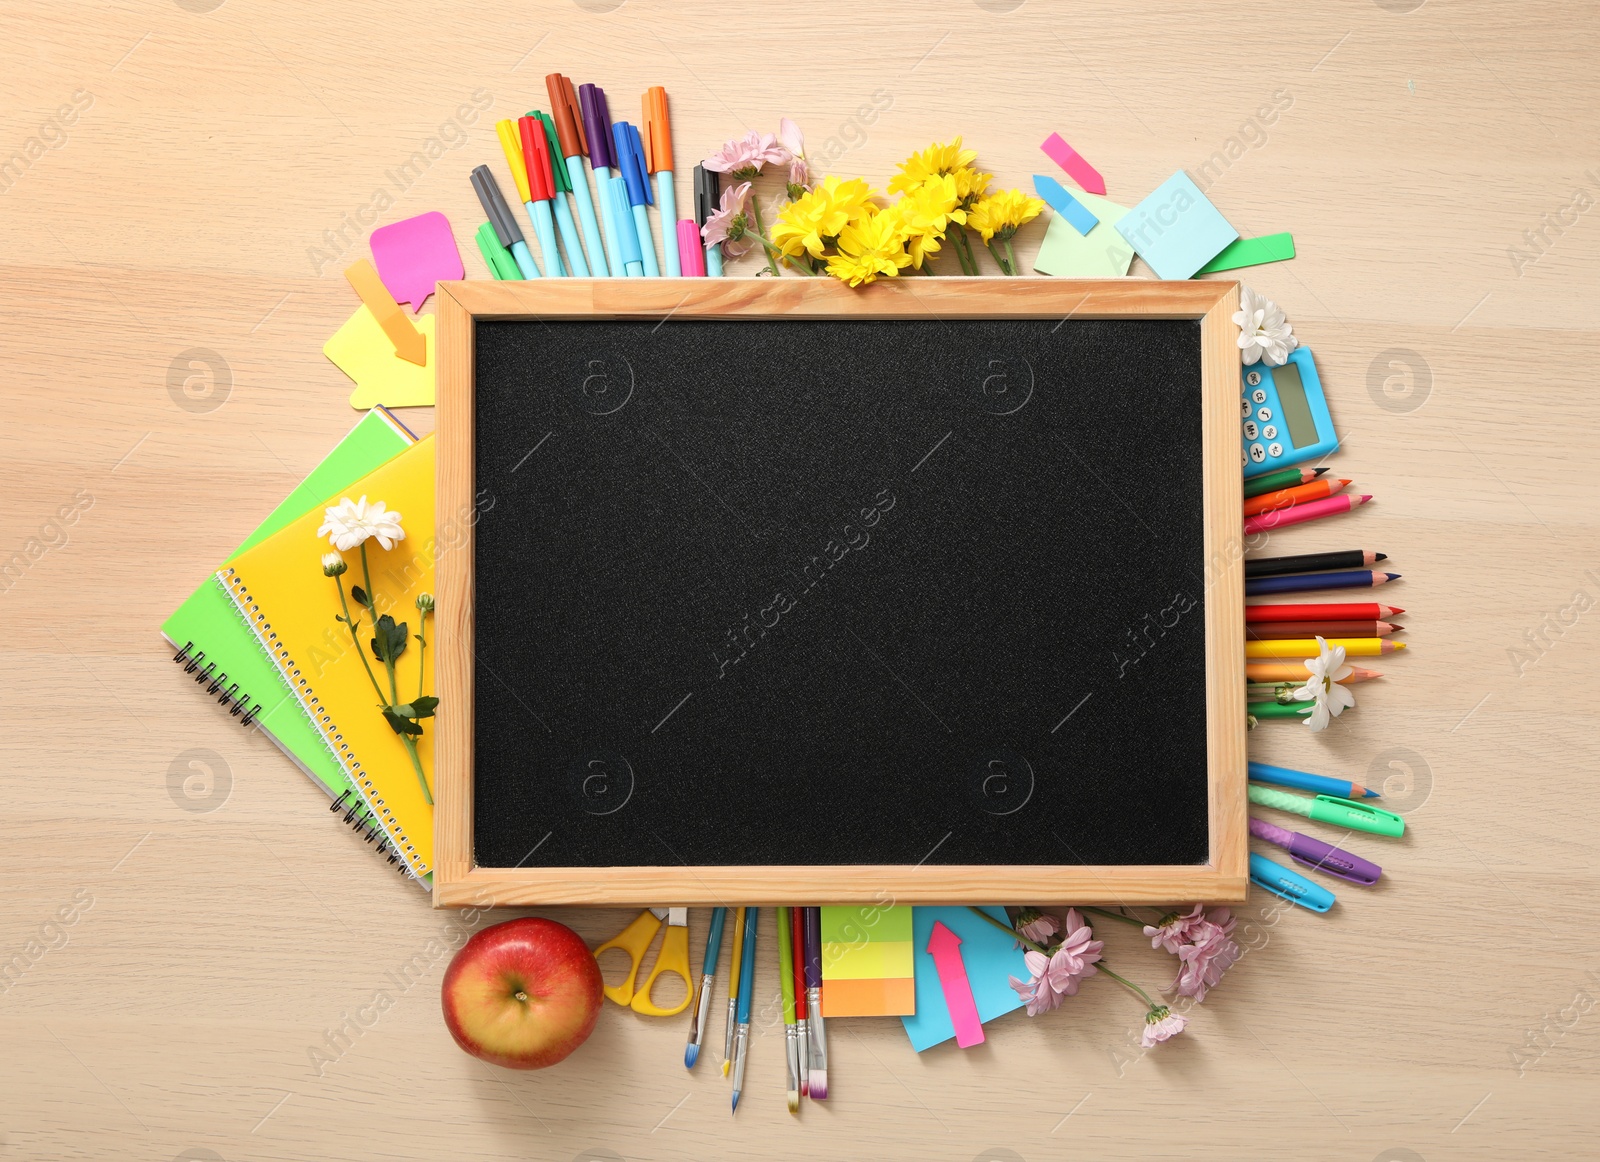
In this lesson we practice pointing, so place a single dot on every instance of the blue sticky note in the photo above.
(1176, 229)
(1063, 203)
(990, 958)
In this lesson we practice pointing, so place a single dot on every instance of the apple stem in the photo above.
(521, 996)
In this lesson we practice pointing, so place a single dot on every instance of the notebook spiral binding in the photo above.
(193, 660)
(367, 828)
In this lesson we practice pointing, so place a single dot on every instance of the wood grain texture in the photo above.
(201, 931)
(459, 880)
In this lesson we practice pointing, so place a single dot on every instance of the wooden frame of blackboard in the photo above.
(459, 882)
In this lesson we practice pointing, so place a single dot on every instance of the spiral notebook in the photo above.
(279, 589)
(216, 648)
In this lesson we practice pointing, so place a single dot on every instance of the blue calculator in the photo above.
(1284, 415)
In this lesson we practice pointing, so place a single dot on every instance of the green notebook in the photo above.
(218, 649)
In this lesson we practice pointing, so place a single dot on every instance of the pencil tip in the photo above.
(1369, 793)
(691, 1054)
(1366, 498)
(1319, 471)
(1380, 556)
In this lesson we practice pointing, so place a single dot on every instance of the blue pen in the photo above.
(747, 984)
(569, 132)
(702, 1000)
(504, 225)
(705, 204)
(1316, 784)
(658, 160)
(1065, 204)
(628, 256)
(1291, 886)
(630, 160)
(597, 131)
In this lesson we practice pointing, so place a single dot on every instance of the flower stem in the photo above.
(1127, 984)
(761, 232)
(416, 765)
(1000, 258)
(1012, 255)
(422, 646)
(969, 264)
(372, 607)
(1114, 916)
(356, 641)
(1007, 928)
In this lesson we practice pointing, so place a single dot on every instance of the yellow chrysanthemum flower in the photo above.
(873, 244)
(971, 185)
(998, 216)
(926, 212)
(938, 158)
(807, 224)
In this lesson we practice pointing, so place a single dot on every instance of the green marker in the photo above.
(1330, 809)
(501, 264)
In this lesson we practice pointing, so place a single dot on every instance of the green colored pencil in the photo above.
(1271, 691)
(1260, 710)
(1283, 478)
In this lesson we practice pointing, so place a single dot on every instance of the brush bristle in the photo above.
(725, 1065)
(794, 1101)
(819, 1085)
(691, 1054)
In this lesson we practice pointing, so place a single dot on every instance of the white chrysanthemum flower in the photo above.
(350, 523)
(1332, 699)
(333, 565)
(1264, 333)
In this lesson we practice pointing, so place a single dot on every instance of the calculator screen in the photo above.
(1292, 403)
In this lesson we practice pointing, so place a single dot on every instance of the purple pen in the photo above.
(817, 1041)
(1317, 855)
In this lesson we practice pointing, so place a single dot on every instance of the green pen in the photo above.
(1331, 809)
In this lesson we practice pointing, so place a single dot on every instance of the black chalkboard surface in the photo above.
(751, 601)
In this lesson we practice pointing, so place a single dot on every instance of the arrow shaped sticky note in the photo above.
(1251, 252)
(362, 351)
(945, 948)
(408, 342)
(1065, 204)
(1072, 161)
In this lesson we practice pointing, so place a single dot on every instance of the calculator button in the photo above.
(1258, 453)
(1258, 396)
(1253, 378)
(1275, 450)
(1250, 430)
(1244, 409)
(1263, 414)
(1270, 432)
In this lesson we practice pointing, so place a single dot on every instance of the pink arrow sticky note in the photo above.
(945, 948)
(414, 254)
(1072, 161)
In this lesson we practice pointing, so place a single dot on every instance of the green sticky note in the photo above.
(1251, 252)
(1101, 253)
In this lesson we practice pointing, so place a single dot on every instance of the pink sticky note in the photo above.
(1072, 161)
(412, 255)
(945, 948)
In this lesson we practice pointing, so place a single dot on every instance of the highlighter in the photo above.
(1288, 885)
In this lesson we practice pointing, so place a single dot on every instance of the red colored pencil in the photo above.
(797, 920)
(1270, 630)
(1295, 514)
(1299, 494)
(1347, 611)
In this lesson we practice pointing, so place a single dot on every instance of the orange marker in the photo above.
(409, 343)
(1299, 494)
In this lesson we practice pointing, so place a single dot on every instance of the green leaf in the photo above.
(418, 708)
(390, 640)
(398, 723)
(359, 594)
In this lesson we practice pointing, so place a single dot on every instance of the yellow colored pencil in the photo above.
(733, 991)
(1354, 647)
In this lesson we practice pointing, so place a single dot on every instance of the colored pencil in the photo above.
(797, 921)
(1312, 562)
(1295, 710)
(1354, 647)
(1266, 631)
(1300, 513)
(1271, 691)
(733, 991)
(1297, 672)
(1283, 478)
(1284, 497)
(1358, 579)
(1351, 611)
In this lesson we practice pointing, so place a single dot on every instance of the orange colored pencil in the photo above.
(1299, 494)
(1297, 672)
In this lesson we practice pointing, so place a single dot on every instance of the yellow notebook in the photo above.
(279, 589)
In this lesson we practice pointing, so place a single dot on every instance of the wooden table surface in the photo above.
(187, 180)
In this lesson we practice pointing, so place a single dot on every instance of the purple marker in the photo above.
(1317, 855)
(817, 1041)
(602, 157)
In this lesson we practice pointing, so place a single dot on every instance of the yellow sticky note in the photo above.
(1101, 253)
(363, 351)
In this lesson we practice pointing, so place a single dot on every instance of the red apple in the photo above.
(522, 994)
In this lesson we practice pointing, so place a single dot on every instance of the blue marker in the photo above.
(614, 200)
(630, 160)
(504, 225)
(1291, 886)
(1065, 204)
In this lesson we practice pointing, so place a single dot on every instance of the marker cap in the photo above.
(1336, 861)
(691, 256)
(558, 171)
(568, 115)
(706, 193)
(511, 146)
(1288, 885)
(630, 161)
(616, 193)
(1357, 816)
(536, 160)
(494, 205)
(657, 130)
(596, 125)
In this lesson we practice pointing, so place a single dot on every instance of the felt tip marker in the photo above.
(597, 132)
(658, 161)
(630, 161)
(1333, 810)
(505, 226)
(1288, 885)
(568, 116)
(690, 253)
(544, 227)
(706, 193)
(614, 201)
(549, 153)
(1311, 852)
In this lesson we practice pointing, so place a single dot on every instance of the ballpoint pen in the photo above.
(505, 226)
(628, 257)
(658, 160)
(705, 204)
(561, 185)
(597, 134)
(569, 131)
(797, 944)
(1313, 853)
(630, 163)
(733, 990)
(531, 189)
(816, 1034)
(791, 1040)
(702, 1000)
(747, 975)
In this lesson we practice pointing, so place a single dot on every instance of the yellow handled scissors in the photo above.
(673, 958)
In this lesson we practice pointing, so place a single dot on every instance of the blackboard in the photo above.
(789, 592)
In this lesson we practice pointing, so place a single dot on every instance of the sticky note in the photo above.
(1072, 161)
(1064, 203)
(363, 351)
(1176, 229)
(412, 255)
(867, 963)
(1251, 252)
(990, 957)
(1101, 253)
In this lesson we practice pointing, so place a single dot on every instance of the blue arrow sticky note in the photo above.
(990, 957)
(1064, 203)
